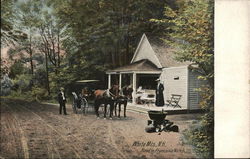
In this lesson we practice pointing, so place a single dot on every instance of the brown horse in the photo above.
(103, 97)
(119, 99)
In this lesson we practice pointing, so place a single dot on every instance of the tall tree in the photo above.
(27, 20)
(50, 30)
(36, 18)
(50, 35)
(9, 33)
(189, 29)
(103, 34)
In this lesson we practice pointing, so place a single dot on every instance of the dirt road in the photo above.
(33, 130)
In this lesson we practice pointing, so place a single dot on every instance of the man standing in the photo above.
(62, 101)
(159, 94)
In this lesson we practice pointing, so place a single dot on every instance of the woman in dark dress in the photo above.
(159, 94)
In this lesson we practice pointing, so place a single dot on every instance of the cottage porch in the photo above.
(141, 73)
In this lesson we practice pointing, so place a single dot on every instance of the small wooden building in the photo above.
(155, 60)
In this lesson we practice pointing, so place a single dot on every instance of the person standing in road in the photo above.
(62, 101)
(159, 94)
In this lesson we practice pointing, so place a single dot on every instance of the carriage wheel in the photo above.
(82, 109)
(84, 106)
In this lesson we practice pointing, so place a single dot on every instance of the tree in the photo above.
(103, 34)
(36, 18)
(189, 29)
(9, 33)
(50, 33)
(50, 30)
(93, 35)
(16, 69)
(28, 13)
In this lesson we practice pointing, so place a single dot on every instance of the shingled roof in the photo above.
(166, 56)
(162, 55)
(142, 65)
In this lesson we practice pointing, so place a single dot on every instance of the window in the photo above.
(176, 77)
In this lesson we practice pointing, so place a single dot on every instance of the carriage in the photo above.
(106, 99)
(82, 96)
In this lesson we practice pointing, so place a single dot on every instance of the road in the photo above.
(35, 130)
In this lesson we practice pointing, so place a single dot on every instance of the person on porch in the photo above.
(159, 94)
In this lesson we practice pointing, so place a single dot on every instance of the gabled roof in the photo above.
(145, 51)
(157, 52)
(141, 66)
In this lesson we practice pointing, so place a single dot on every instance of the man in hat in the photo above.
(159, 94)
(62, 101)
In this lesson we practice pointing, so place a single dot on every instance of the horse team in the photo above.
(112, 97)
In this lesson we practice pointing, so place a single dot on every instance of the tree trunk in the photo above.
(126, 54)
(58, 49)
(31, 57)
(47, 73)
(113, 58)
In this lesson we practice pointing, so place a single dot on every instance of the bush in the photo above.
(6, 85)
(22, 83)
(17, 68)
(39, 78)
(36, 94)
(18, 94)
(39, 93)
(201, 135)
(201, 138)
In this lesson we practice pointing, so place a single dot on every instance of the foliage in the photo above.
(100, 35)
(43, 45)
(9, 33)
(36, 94)
(201, 135)
(6, 85)
(17, 69)
(29, 13)
(39, 94)
(18, 94)
(4, 67)
(29, 87)
(39, 78)
(189, 30)
(82, 39)
(22, 83)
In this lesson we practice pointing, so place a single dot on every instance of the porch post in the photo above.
(134, 89)
(109, 81)
(120, 81)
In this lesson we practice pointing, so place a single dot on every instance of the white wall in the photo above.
(172, 86)
(193, 94)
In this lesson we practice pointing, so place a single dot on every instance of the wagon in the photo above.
(79, 103)
(81, 98)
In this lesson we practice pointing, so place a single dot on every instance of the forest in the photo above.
(53, 43)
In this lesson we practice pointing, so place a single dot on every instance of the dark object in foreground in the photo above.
(158, 123)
